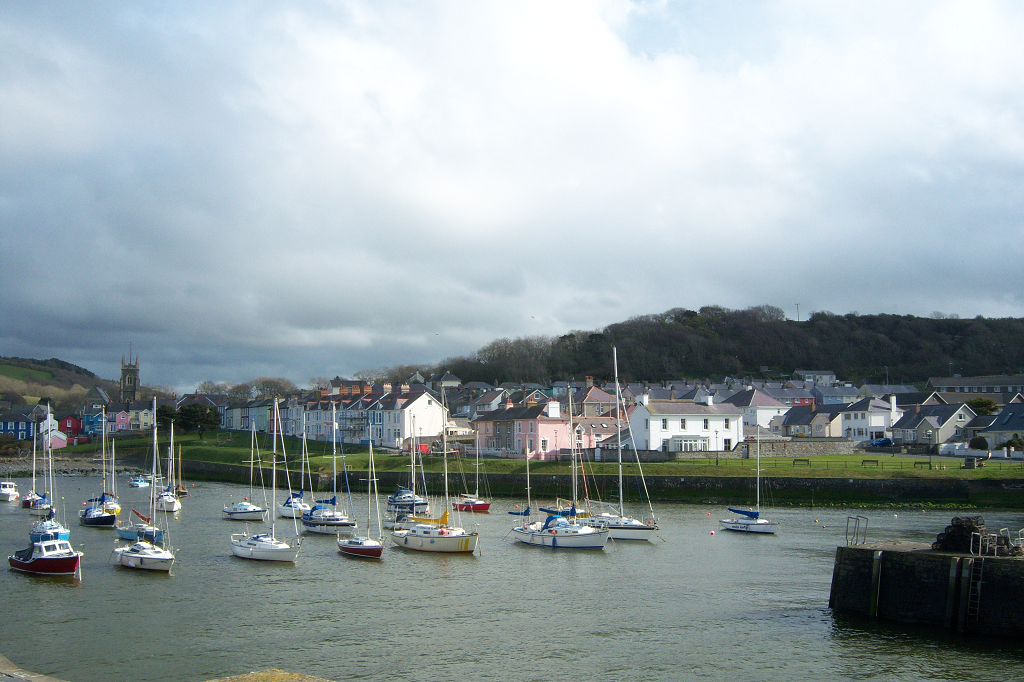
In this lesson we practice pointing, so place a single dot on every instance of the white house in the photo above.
(870, 418)
(677, 426)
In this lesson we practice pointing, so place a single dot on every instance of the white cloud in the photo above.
(300, 189)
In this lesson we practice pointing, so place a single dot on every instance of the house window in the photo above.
(707, 425)
(682, 424)
(531, 427)
(664, 424)
(529, 444)
(726, 426)
(728, 443)
(647, 423)
(508, 443)
(543, 444)
(519, 427)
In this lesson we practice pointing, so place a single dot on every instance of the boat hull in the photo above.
(456, 544)
(172, 505)
(249, 515)
(544, 538)
(328, 527)
(140, 532)
(621, 528)
(472, 506)
(98, 521)
(361, 548)
(258, 551)
(40, 511)
(47, 565)
(8, 496)
(759, 526)
(143, 561)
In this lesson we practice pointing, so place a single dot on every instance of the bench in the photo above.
(922, 465)
(802, 463)
(869, 462)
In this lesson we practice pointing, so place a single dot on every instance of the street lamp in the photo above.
(929, 434)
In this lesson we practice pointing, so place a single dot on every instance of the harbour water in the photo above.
(691, 606)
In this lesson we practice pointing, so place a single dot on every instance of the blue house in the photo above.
(18, 425)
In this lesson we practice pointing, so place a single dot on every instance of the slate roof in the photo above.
(936, 415)
(1010, 418)
(753, 398)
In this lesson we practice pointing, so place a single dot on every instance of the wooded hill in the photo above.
(26, 380)
(759, 342)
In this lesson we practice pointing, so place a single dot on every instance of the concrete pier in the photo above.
(911, 583)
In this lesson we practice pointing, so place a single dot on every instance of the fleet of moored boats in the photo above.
(408, 519)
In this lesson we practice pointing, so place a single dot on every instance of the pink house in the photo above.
(534, 431)
(118, 421)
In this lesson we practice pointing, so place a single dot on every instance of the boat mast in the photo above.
(572, 449)
(252, 458)
(113, 478)
(170, 461)
(412, 463)
(152, 485)
(758, 467)
(476, 438)
(35, 437)
(618, 422)
(444, 445)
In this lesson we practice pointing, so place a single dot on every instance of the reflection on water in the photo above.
(696, 606)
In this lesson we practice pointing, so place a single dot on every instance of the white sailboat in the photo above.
(49, 528)
(365, 547)
(102, 511)
(167, 500)
(473, 503)
(143, 528)
(325, 517)
(620, 526)
(266, 546)
(748, 521)
(31, 496)
(246, 510)
(144, 553)
(437, 535)
(555, 531)
(294, 506)
(40, 505)
(404, 502)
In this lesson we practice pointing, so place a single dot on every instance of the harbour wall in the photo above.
(958, 592)
(1008, 493)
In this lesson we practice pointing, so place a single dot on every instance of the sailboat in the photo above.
(324, 517)
(167, 500)
(39, 505)
(31, 496)
(294, 507)
(180, 490)
(366, 547)
(266, 546)
(144, 553)
(246, 510)
(404, 502)
(473, 503)
(556, 531)
(101, 512)
(437, 535)
(49, 528)
(142, 529)
(620, 526)
(750, 521)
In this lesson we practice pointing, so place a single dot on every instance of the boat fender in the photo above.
(552, 531)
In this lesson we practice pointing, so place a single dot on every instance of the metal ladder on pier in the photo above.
(974, 596)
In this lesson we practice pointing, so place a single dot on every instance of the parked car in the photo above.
(881, 443)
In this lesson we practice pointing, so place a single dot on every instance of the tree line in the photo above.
(757, 342)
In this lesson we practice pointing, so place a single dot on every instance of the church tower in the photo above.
(129, 379)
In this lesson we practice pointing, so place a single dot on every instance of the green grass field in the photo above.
(236, 451)
(25, 374)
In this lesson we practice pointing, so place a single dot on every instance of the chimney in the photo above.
(509, 404)
(553, 409)
(917, 408)
(814, 407)
(709, 400)
(589, 381)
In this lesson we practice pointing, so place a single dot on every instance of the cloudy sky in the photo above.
(295, 189)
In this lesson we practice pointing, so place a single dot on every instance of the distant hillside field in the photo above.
(25, 374)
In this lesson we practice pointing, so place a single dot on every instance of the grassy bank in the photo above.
(215, 447)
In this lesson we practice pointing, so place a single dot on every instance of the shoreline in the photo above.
(809, 491)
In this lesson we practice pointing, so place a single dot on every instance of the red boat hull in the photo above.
(47, 566)
(473, 507)
(363, 552)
